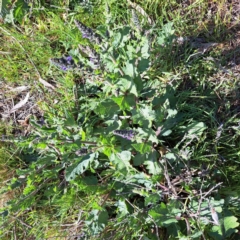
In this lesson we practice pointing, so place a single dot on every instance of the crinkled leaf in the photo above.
(138, 119)
(110, 65)
(79, 167)
(70, 121)
(125, 155)
(171, 113)
(144, 116)
(148, 113)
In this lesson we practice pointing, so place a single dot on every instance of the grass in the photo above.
(205, 89)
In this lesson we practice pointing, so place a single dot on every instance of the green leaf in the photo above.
(90, 180)
(163, 217)
(152, 163)
(143, 65)
(108, 62)
(152, 199)
(80, 167)
(41, 145)
(106, 108)
(171, 113)
(142, 178)
(107, 150)
(138, 119)
(116, 39)
(144, 116)
(125, 102)
(165, 132)
(129, 69)
(196, 234)
(142, 147)
(4, 214)
(230, 223)
(97, 221)
(125, 155)
(166, 35)
(169, 221)
(139, 159)
(127, 84)
(121, 37)
(20, 9)
(194, 128)
(148, 113)
(70, 121)
(5, 8)
(159, 213)
(122, 208)
(171, 157)
(170, 122)
(145, 48)
(139, 83)
(103, 217)
(121, 161)
(146, 134)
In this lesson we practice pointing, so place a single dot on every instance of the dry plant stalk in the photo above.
(141, 11)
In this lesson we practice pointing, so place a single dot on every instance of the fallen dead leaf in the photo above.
(18, 89)
(20, 104)
(46, 84)
(25, 122)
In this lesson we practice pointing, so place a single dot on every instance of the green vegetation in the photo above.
(119, 120)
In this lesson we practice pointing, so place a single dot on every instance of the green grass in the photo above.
(195, 87)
